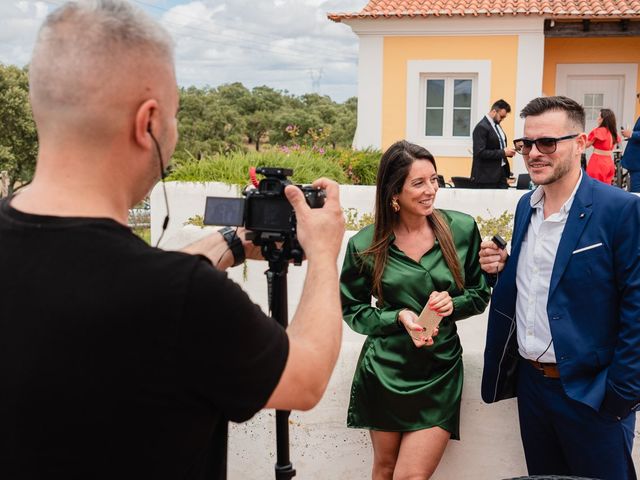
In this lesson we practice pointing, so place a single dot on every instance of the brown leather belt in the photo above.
(549, 370)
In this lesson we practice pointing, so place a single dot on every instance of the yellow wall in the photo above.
(502, 51)
(587, 50)
(454, 166)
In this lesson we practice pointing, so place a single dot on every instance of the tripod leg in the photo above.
(284, 468)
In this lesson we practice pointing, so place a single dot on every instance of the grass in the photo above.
(307, 165)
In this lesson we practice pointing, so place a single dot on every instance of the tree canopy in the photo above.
(18, 139)
(231, 117)
(222, 120)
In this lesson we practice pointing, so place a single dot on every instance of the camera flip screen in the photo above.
(269, 214)
(224, 211)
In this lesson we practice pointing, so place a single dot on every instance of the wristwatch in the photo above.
(234, 243)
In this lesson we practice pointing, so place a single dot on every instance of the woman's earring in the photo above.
(395, 205)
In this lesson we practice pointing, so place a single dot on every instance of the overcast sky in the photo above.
(285, 44)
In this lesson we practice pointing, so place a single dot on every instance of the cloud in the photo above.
(19, 23)
(285, 44)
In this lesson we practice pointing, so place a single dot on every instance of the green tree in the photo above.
(207, 124)
(258, 125)
(18, 137)
(226, 118)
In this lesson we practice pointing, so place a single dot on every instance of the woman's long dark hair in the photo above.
(394, 168)
(609, 122)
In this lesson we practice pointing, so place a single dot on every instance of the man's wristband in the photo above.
(234, 243)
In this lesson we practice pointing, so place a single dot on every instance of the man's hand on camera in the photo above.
(319, 230)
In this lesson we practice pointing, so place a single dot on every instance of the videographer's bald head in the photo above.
(101, 74)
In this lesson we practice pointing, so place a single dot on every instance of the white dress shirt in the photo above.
(501, 136)
(533, 278)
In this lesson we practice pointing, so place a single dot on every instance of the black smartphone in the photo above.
(499, 241)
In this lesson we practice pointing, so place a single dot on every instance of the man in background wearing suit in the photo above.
(490, 167)
(631, 157)
(564, 323)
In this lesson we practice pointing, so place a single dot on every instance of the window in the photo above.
(593, 103)
(448, 105)
(445, 99)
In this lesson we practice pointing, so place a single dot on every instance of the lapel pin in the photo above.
(582, 215)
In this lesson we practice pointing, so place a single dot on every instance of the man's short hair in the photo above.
(501, 105)
(92, 35)
(540, 105)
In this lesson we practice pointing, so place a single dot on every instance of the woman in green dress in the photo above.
(408, 382)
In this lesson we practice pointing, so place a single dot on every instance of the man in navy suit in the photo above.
(631, 157)
(490, 167)
(564, 322)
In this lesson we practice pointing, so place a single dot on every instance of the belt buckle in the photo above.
(547, 370)
(550, 371)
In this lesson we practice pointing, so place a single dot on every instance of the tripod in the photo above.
(278, 259)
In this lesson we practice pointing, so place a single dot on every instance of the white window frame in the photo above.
(447, 117)
(418, 71)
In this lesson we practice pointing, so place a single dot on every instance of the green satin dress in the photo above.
(396, 386)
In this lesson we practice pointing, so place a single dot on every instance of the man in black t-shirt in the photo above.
(118, 360)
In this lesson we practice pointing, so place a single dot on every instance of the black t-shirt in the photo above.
(117, 360)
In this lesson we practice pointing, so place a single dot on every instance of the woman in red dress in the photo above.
(603, 138)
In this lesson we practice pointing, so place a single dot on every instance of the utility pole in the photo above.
(316, 76)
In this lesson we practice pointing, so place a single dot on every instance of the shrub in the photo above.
(360, 166)
(352, 222)
(502, 225)
(344, 166)
(234, 168)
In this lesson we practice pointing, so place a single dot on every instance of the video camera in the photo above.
(265, 212)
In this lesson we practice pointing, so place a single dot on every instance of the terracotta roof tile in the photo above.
(453, 8)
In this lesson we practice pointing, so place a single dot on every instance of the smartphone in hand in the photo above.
(428, 319)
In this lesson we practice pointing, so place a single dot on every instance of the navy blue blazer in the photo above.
(593, 305)
(631, 157)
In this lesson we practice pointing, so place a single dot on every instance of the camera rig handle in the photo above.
(268, 242)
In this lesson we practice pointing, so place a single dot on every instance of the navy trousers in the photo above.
(562, 436)
(634, 180)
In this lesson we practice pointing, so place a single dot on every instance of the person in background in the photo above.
(490, 167)
(631, 157)
(408, 382)
(603, 138)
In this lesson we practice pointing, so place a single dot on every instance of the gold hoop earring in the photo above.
(395, 206)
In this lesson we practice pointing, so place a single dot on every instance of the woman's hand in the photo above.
(441, 303)
(420, 338)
